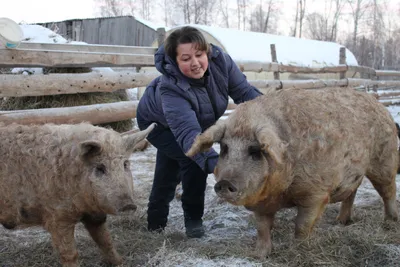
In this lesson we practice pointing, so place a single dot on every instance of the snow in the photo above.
(255, 47)
(39, 34)
(150, 24)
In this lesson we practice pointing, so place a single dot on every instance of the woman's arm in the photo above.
(239, 88)
(183, 123)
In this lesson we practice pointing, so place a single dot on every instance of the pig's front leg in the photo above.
(264, 224)
(96, 226)
(62, 235)
(308, 216)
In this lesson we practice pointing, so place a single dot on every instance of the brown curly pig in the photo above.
(58, 175)
(303, 148)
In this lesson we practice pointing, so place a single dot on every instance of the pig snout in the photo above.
(128, 207)
(127, 204)
(226, 189)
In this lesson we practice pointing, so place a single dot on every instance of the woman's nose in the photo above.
(195, 62)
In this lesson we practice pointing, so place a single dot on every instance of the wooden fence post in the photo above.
(160, 36)
(274, 59)
(342, 60)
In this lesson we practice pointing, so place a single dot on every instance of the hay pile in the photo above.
(230, 236)
(69, 100)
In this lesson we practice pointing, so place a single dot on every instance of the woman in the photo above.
(190, 96)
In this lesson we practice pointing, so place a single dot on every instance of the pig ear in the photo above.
(204, 141)
(131, 138)
(90, 149)
(272, 144)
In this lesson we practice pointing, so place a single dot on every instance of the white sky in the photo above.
(32, 11)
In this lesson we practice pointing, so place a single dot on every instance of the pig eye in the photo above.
(224, 150)
(126, 165)
(255, 152)
(100, 170)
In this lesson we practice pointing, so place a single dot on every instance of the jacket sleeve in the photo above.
(183, 123)
(239, 88)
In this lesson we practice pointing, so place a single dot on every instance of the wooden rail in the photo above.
(84, 55)
(95, 114)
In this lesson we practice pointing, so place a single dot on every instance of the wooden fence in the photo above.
(70, 55)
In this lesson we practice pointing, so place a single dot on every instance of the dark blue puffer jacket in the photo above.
(172, 101)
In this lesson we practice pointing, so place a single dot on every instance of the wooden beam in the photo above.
(95, 114)
(382, 73)
(342, 60)
(10, 58)
(389, 95)
(56, 84)
(274, 67)
(362, 69)
(93, 48)
(160, 36)
(301, 69)
(275, 60)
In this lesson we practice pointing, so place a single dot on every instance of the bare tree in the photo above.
(299, 17)
(241, 13)
(325, 26)
(264, 17)
(195, 11)
(358, 10)
(296, 18)
(112, 8)
(223, 6)
(145, 7)
(302, 14)
(378, 29)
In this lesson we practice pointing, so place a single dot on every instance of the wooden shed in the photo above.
(123, 30)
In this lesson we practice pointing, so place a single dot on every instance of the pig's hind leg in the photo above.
(96, 226)
(385, 184)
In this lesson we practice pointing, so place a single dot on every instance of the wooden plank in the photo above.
(301, 69)
(275, 60)
(257, 66)
(342, 60)
(122, 49)
(362, 69)
(160, 36)
(390, 95)
(95, 114)
(274, 67)
(55, 84)
(35, 58)
(382, 73)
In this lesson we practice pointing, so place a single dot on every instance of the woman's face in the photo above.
(192, 63)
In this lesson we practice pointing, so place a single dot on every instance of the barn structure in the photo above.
(122, 30)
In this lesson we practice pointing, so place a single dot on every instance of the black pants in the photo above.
(172, 167)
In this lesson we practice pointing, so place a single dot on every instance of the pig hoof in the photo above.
(262, 251)
(345, 221)
(114, 260)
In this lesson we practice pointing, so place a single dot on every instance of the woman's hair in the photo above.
(185, 35)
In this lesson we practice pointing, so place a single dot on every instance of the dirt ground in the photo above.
(230, 235)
